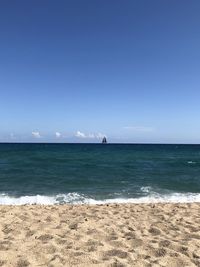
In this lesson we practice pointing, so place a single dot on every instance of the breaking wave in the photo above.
(75, 198)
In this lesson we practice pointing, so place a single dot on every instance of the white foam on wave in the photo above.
(39, 199)
(75, 198)
(146, 189)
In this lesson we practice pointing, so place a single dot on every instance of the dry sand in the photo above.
(103, 235)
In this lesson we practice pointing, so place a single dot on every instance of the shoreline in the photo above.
(153, 234)
(75, 198)
(109, 204)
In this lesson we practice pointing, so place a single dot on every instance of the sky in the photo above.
(74, 71)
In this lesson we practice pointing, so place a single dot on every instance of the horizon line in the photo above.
(99, 143)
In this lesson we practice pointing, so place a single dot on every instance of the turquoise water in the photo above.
(96, 173)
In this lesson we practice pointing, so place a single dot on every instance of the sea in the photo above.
(98, 173)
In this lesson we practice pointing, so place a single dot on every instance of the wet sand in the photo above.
(100, 235)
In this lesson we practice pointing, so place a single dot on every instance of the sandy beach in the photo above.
(100, 235)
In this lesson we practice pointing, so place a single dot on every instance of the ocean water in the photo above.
(96, 173)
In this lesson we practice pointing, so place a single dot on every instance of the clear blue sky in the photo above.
(74, 70)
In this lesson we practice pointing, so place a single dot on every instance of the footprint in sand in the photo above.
(183, 250)
(22, 263)
(45, 238)
(2, 263)
(57, 260)
(73, 226)
(92, 242)
(129, 235)
(49, 219)
(116, 263)
(164, 243)
(136, 243)
(61, 241)
(160, 252)
(116, 244)
(49, 249)
(7, 229)
(5, 245)
(111, 237)
(30, 233)
(115, 253)
(154, 231)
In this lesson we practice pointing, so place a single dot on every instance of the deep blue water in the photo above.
(89, 172)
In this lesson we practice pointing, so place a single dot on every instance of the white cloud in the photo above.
(90, 135)
(80, 134)
(139, 128)
(58, 135)
(36, 135)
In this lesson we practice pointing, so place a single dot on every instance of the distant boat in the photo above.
(104, 140)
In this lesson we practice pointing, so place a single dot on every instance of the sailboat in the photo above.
(104, 140)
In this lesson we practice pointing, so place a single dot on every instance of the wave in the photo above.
(75, 198)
